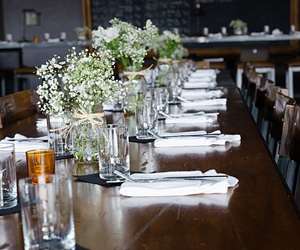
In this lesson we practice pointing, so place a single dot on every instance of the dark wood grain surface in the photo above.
(258, 214)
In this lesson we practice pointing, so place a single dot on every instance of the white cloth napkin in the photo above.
(199, 85)
(204, 72)
(196, 141)
(202, 79)
(23, 143)
(203, 103)
(192, 119)
(220, 200)
(177, 187)
(201, 94)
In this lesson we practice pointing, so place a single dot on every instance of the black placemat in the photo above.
(95, 179)
(12, 210)
(134, 139)
(78, 247)
(62, 157)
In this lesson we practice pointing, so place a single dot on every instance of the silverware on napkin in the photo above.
(171, 178)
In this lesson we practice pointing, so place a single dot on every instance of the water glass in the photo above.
(57, 134)
(174, 87)
(40, 162)
(146, 118)
(47, 212)
(113, 151)
(8, 186)
(161, 97)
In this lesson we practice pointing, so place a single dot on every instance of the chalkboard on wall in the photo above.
(191, 16)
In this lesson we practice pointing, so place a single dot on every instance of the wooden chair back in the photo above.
(17, 106)
(289, 146)
(280, 105)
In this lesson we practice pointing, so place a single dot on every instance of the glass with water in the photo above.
(113, 151)
(47, 212)
(8, 186)
(57, 134)
(146, 118)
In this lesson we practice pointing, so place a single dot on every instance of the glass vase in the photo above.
(136, 84)
(86, 137)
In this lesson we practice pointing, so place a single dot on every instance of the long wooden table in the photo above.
(258, 214)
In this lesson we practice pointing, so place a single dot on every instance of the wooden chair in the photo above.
(17, 106)
(264, 93)
(246, 75)
(265, 68)
(292, 67)
(276, 124)
(6, 77)
(20, 75)
(254, 83)
(289, 147)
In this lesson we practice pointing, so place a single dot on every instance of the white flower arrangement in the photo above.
(80, 82)
(128, 44)
(169, 46)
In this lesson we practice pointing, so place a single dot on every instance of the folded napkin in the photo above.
(23, 143)
(220, 200)
(201, 94)
(201, 103)
(199, 85)
(196, 141)
(177, 187)
(202, 79)
(203, 150)
(192, 119)
(204, 72)
(178, 115)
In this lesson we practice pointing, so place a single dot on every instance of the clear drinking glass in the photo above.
(57, 134)
(146, 118)
(114, 151)
(174, 87)
(47, 212)
(8, 186)
(161, 97)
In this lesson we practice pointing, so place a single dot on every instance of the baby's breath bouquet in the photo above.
(127, 43)
(169, 46)
(170, 50)
(79, 84)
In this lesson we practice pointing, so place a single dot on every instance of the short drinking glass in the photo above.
(8, 186)
(114, 151)
(40, 162)
(47, 212)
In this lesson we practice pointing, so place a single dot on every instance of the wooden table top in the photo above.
(258, 214)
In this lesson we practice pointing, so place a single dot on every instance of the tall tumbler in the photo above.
(47, 212)
(113, 151)
(58, 137)
(8, 186)
(146, 118)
